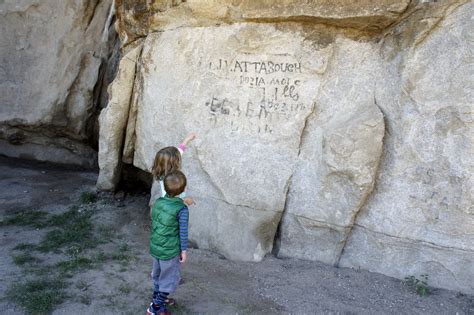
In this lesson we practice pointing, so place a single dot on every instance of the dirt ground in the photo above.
(113, 277)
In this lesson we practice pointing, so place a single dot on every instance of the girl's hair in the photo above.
(167, 160)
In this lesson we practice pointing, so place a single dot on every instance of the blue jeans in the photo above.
(166, 274)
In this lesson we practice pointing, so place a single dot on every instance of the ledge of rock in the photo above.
(137, 19)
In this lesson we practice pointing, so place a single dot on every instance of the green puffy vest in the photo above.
(164, 239)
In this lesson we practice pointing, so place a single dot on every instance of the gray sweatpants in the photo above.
(166, 274)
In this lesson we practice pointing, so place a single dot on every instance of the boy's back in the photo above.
(168, 241)
(164, 241)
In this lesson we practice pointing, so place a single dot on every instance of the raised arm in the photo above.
(188, 139)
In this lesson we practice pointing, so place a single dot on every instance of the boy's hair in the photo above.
(167, 160)
(175, 183)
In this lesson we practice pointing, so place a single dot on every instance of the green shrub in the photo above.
(420, 286)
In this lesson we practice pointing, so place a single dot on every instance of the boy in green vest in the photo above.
(168, 241)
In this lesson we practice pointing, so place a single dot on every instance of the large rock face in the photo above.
(347, 126)
(421, 218)
(50, 54)
(248, 99)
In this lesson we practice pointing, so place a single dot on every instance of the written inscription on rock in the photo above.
(256, 95)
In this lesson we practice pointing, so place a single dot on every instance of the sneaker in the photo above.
(168, 301)
(153, 311)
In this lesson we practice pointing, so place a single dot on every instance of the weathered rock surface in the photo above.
(359, 143)
(50, 55)
(113, 120)
(248, 99)
(338, 159)
(138, 19)
(421, 217)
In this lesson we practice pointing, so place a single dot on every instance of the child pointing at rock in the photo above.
(168, 160)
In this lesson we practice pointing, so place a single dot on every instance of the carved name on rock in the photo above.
(247, 91)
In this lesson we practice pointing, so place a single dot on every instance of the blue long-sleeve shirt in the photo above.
(183, 219)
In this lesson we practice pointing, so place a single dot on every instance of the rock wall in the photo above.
(53, 57)
(328, 131)
(421, 216)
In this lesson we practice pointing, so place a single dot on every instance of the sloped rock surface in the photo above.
(420, 220)
(50, 54)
